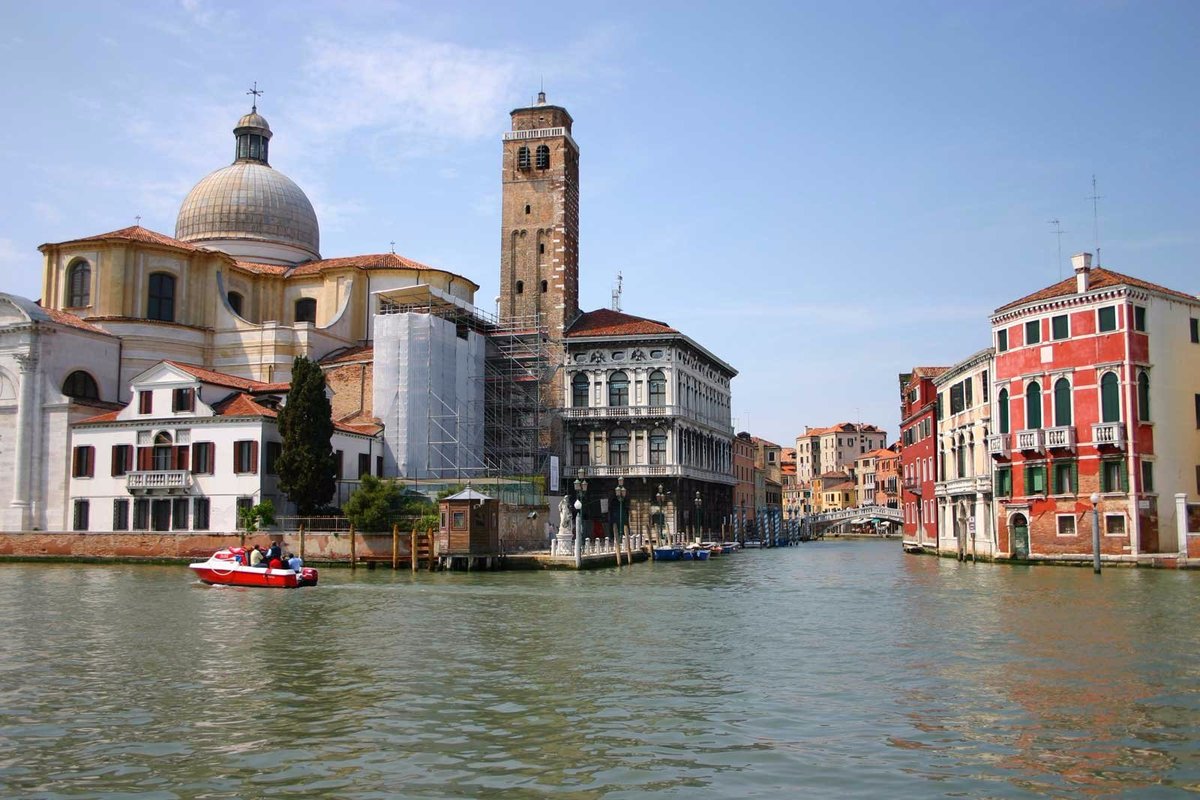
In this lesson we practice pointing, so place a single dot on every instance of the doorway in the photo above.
(1019, 527)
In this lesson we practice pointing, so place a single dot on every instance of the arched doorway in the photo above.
(1018, 527)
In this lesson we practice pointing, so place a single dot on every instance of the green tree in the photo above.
(373, 504)
(306, 463)
(252, 518)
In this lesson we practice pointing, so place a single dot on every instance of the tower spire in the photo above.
(254, 90)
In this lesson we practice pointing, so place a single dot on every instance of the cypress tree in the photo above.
(306, 463)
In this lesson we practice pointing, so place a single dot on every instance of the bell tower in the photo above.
(539, 251)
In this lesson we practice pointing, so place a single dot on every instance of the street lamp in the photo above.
(1095, 498)
(621, 492)
(742, 525)
(580, 493)
(699, 502)
(661, 498)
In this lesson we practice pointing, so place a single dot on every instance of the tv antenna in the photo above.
(616, 294)
(1095, 218)
(1058, 231)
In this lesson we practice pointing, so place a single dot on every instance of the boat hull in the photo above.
(225, 574)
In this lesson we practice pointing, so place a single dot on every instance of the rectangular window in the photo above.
(1066, 524)
(983, 383)
(160, 515)
(337, 464)
(1114, 476)
(120, 515)
(1107, 318)
(1066, 477)
(145, 402)
(183, 400)
(273, 451)
(1060, 328)
(84, 463)
(122, 459)
(202, 458)
(1035, 480)
(179, 514)
(379, 466)
(1114, 524)
(244, 504)
(364, 464)
(956, 399)
(1004, 483)
(1198, 411)
(1033, 331)
(1195, 325)
(1002, 340)
(141, 515)
(1139, 318)
(1147, 476)
(200, 514)
(80, 520)
(245, 457)
(968, 400)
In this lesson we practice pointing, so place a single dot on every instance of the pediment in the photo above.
(164, 375)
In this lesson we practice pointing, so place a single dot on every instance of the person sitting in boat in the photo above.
(294, 563)
(256, 556)
(274, 563)
(274, 553)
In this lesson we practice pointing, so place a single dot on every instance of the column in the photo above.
(18, 517)
(982, 527)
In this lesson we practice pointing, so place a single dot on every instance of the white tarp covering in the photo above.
(428, 391)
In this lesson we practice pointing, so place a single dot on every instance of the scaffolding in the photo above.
(511, 395)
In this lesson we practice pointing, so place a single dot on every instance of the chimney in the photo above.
(1082, 263)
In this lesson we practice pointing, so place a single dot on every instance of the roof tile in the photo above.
(1098, 278)
(606, 322)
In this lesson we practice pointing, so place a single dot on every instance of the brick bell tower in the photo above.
(539, 251)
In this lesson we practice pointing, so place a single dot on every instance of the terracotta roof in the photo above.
(134, 233)
(1098, 278)
(222, 379)
(928, 372)
(350, 354)
(606, 322)
(757, 440)
(843, 486)
(880, 453)
(66, 318)
(241, 405)
(833, 474)
(110, 416)
(842, 427)
(261, 269)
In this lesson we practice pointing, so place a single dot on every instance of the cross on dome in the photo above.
(257, 92)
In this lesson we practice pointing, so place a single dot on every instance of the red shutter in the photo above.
(118, 459)
(128, 458)
(254, 458)
(235, 457)
(181, 457)
(145, 459)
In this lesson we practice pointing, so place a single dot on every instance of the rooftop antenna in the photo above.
(1058, 231)
(138, 220)
(393, 247)
(616, 294)
(254, 90)
(1095, 218)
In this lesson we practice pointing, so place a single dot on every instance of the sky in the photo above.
(822, 194)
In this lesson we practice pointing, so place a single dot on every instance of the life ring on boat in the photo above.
(224, 574)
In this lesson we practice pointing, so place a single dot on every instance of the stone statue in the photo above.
(564, 517)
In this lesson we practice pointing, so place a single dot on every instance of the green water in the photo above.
(834, 669)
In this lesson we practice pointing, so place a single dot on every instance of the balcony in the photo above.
(1061, 438)
(647, 471)
(1031, 441)
(168, 481)
(646, 412)
(912, 486)
(1109, 434)
(998, 445)
(979, 484)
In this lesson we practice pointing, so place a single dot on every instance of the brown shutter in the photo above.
(235, 457)
(181, 456)
(145, 459)
(128, 458)
(118, 459)
(254, 458)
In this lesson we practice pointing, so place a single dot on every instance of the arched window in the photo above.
(658, 446)
(523, 158)
(520, 287)
(81, 385)
(1062, 402)
(618, 389)
(306, 310)
(162, 451)
(618, 448)
(235, 302)
(79, 284)
(1143, 396)
(543, 157)
(658, 388)
(161, 300)
(1110, 398)
(580, 456)
(1033, 405)
(1002, 408)
(579, 391)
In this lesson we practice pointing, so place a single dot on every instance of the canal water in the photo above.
(835, 668)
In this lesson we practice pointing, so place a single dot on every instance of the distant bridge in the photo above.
(860, 515)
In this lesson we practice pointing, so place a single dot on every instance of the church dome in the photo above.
(248, 209)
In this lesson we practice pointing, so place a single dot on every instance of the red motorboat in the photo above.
(225, 568)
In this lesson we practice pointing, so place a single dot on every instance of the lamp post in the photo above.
(699, 502)
(742, 524)
(661, 498)
(580, 493)
(621, 492)
(1095, 498)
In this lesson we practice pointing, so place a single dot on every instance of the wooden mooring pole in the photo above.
(301, 541)
(395, 545)
(353, 558)
(413, 549)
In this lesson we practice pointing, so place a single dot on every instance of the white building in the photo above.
(964, 489)
(191, 448)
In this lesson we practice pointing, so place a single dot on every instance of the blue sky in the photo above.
(822, 194)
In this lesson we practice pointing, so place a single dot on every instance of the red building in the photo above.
(1097, 406)
(918, 456)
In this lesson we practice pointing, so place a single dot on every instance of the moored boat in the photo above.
(668, 553)
(223, 568)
